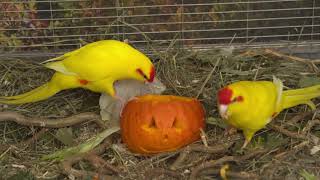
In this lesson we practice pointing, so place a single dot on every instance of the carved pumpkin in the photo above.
(158, 123)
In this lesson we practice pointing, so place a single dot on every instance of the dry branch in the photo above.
(211, 164)
(48, 122)
(310, 125)
(155, 172)
(100, 163)
(219, 148)
(278, 158)
(180, 159)
(95, 160)
(284, 56)
(301, 116)
(286, 132)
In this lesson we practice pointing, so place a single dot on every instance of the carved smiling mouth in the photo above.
(223, 111)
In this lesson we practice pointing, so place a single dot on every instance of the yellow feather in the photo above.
(103, 59)
(300, 96)
(24, 94)
(57, 83)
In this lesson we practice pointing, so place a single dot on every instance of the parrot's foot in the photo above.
(248, 134)
(245, 144)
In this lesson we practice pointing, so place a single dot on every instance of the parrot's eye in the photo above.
(237, 99)
(142, 74)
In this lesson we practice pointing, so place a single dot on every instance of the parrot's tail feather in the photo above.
(300, 96)
(302, 91)
(38, 94)
(24, 94)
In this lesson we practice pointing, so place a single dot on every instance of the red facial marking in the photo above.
(152, 74)
(83, 81)
(224, 96)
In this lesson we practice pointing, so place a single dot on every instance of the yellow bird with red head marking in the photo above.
(251, 105)
(95, 66)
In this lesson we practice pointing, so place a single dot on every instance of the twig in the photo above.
(294, 58)
(162, 156)
(31, 140)
(181, 158)
(309, 62)
(70, 171)
(300, 116)
(100, 163)
(26, 142)
(208, 77)
(69, 162)
(280, 156)
(161, 171)
(310, 125)
(48, 122)
(204, 137)
(5, 152)
(220, 148)
(286, 132)
(211, 164)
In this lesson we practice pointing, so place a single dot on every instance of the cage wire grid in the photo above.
(56, 26)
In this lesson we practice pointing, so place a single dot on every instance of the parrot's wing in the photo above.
(60, 67)
(62, 57)
(71, 53)
(279, 87)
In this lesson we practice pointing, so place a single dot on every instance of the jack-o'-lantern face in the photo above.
(159, 123)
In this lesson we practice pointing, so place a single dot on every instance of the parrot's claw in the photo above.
(245, 144)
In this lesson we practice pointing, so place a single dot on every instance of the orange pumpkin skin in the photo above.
(159, 123)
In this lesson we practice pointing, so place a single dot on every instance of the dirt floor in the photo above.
(288, 148)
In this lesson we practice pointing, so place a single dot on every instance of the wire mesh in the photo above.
(59, 25)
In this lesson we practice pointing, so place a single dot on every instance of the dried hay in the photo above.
(185, 73)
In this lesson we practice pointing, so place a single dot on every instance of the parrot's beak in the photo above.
(223, 111)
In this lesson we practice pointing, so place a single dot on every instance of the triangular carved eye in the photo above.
(153, 123)
(175, 123)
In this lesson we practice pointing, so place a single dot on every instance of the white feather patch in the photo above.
(279, 86)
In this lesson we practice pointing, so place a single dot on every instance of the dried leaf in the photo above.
(315, 149)
(82, 148)
(308, 176)
(216, 121)
(65, 135)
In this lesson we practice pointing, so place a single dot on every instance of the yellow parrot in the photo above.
(95, 66)
(251, 105)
